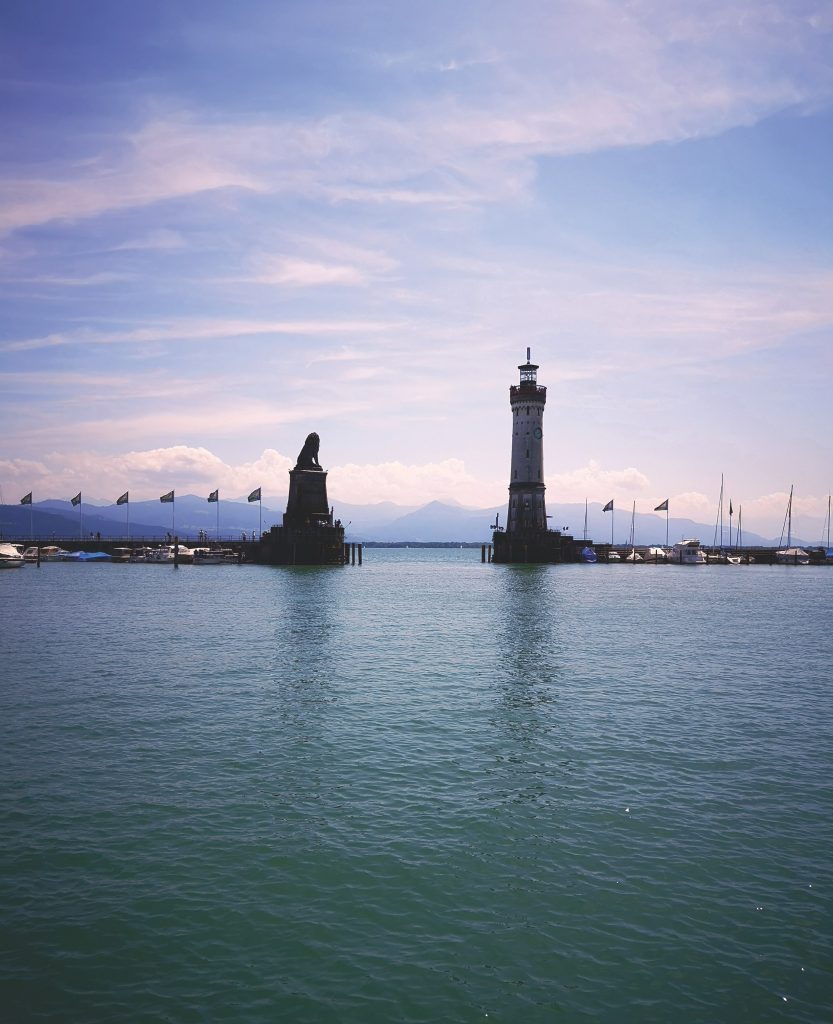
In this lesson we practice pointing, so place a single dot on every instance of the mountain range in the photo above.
(384, 522)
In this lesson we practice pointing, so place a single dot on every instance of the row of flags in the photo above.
(164, 498)
(662, 507)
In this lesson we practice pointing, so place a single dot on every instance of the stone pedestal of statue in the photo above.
(307, 504)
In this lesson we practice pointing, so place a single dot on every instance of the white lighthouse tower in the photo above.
(527, 511)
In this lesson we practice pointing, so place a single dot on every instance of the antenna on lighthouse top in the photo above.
(528, 351)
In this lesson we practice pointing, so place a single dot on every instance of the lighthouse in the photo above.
(526, 537)
(527, 511)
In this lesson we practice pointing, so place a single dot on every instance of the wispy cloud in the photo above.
(582, 80)
(186, 329)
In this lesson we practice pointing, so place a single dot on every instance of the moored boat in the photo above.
(51, 553)
(792, 556)
(121, 554)
(655, 554)
(687, 552)
(11, 556)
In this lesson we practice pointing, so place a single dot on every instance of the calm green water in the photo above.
(422, 790)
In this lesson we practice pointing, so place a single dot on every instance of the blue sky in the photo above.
(223, 227)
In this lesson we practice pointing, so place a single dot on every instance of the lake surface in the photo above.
(425, 790)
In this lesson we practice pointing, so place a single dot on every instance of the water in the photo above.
(422, 790)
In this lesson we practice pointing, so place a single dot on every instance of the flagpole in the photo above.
(32, 518)
(218, 518)
(612, 514)
(173, 509)
(81, 520)
(666, 524)
(260, 516)
(127, 503)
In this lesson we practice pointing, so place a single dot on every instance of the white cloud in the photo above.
(305, 274)
(593, 480)
(404, 484)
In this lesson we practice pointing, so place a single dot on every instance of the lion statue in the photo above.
(308, 456)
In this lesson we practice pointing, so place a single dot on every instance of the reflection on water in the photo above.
(529, 648)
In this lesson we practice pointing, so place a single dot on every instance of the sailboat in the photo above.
(587, 554)
(717, 552)
(828, 551)
(790, 555)
(633, 556)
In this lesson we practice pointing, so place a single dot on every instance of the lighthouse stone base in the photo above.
(523, 546)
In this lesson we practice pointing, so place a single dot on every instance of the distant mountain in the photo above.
(436, 522)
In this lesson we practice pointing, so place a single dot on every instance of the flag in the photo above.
(214, 496)
(731, 510)
(609, 506)
(663, 507)
(26, 499)
(255, 495)
(123, 499)
(167, 498)
(76, 500)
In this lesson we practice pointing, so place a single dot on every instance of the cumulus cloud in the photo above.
(407, 484)
(593, 479)
(146, 473)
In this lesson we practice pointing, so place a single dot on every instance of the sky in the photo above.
(225, 226)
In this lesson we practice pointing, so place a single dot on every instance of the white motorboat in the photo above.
(51, 553)
(168, 554)
(687, 552)
(121, 554)
(11, 556)
(614, 556)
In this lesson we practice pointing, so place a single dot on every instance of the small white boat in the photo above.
(11, 556)
(634, 556)
(121, 554)
(30, 554)
(687, 552)
(614, 556)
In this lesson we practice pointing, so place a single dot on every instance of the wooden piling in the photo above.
(360, 554)
(482, 552)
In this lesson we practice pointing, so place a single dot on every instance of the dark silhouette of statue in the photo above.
(308, 455)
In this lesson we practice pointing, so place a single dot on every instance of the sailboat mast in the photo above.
(585, 518)
(718, 522)
(790, 518)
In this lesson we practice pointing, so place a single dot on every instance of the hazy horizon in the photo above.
(223, 228)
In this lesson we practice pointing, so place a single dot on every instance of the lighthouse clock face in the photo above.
(537, 433)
